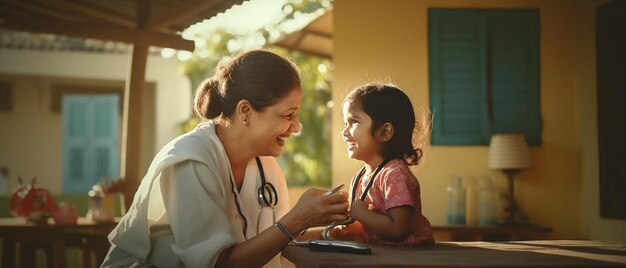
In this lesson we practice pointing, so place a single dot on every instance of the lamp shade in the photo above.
(509, 151)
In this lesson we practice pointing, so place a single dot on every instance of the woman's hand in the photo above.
(315, 209)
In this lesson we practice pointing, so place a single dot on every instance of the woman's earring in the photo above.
(245, 122)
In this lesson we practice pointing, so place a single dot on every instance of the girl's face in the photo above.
(357, 135)
(270, 129)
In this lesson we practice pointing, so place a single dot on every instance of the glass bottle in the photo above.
(487, 206)
(98, 209)
(471, 201)
(456, 201)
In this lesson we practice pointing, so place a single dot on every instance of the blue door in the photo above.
(90, 140)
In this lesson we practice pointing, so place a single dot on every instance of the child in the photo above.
(379, 130)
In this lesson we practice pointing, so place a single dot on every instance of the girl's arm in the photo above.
(393, 227)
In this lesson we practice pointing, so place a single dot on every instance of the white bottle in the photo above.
(487, 203)
(456, 201)
(471, 201)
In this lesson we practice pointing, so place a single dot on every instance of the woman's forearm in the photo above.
(259, 250)
(254, 252)
(312, 210)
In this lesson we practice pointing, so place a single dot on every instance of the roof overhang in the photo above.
(143, 22)
(316, 38)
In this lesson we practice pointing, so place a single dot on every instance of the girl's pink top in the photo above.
(395, 186)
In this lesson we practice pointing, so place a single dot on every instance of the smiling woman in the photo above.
(197, 206)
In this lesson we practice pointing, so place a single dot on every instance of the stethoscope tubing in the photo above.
(326, 233)
(267, 196)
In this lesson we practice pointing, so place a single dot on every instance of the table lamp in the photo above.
(509, 153)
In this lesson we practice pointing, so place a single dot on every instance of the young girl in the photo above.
(379, 130)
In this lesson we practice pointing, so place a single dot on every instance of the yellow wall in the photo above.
(382, 40)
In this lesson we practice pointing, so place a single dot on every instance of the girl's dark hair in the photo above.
(259, 76)
(386, 103)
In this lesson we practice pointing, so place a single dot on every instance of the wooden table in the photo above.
(489, 233)
(19, 236)
(539, 253)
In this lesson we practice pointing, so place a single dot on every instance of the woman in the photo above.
(198, 204)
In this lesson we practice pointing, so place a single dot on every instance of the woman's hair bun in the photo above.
(207, 102)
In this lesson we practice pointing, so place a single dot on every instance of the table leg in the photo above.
(58, 251)
(27, 255)
(8, 250)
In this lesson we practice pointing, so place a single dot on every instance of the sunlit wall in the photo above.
(382, 40)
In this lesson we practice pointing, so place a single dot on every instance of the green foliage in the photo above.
(206, 57)
(306, 158)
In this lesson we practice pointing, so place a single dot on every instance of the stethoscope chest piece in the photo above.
(267, 195)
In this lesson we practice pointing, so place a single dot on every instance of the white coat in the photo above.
(185, 210)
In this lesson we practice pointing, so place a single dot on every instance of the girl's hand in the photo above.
(352, 232)
(315, 209)
(358, 209)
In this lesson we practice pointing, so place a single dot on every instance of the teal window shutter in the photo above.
(514, 56)
(457, 80)
(91, 140)
(484, 74)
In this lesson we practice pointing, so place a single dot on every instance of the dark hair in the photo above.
(387, 103)
(259, 76)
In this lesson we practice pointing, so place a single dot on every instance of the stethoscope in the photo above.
(357, 179)
(267, 195)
